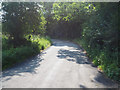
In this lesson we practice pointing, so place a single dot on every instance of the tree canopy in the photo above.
(22, 18)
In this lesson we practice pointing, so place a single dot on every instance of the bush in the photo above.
(11, 55)
(14, 55)
(105, 59)
(113, 71)
(41, 42)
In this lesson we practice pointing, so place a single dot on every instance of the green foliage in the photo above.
(42, 26)
(101, 28)
(94, 24)
(71, 11)
(106, 60)
(100, 33)
(14, 55)
(11, 55)
(5, 45)
(22, 18)
(41, 41)
(113, 71)
(67, 19)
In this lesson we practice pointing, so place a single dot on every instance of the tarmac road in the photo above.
(62, 65)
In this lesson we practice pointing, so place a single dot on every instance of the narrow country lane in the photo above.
(63, 65)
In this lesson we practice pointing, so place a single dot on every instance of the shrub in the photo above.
(13, 55)
(105, 59)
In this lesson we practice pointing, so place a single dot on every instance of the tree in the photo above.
(102, 26)
(67, 19)
(20, 18)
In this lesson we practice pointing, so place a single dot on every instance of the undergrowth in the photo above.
(106, 60)
(12, 55)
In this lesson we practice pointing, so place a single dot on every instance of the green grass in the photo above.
(41, 41)
(104, 59)
(12, 55)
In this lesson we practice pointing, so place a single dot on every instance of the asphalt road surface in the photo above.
(62, 65)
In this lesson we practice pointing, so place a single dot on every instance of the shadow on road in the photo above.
(100, 78)
(82, 86)
(60, 43)
(72, 54)
(80, 58)
(75, 56)
(27, 66)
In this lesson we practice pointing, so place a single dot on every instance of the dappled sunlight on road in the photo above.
(73, 55)
(63, 65)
